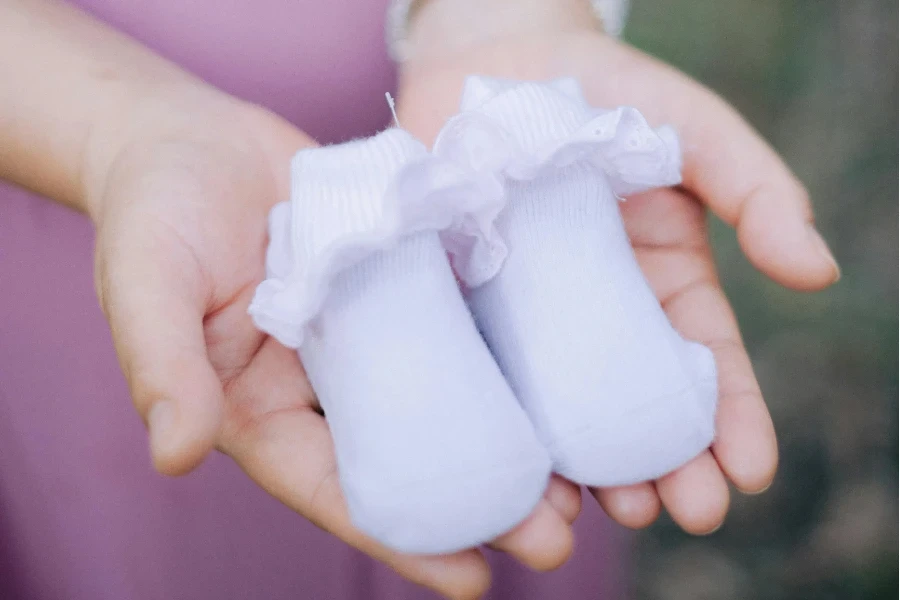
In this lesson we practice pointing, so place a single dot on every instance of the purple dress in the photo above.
(82, 514)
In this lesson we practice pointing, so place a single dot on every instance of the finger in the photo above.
(745, 444)
(543, 541)
(728, 165)
(565, 497)
(148, 288)
(738, 175)
(696, 495)
(633, 506)
(276, 437)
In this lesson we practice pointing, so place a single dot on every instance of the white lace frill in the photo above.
(351, 200)
(519, 130)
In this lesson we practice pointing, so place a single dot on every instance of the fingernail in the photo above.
(159, 421)
(714, 529)
(822, 247)
(759, 491)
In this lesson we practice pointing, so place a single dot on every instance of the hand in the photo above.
(180, 205)
(728, 169)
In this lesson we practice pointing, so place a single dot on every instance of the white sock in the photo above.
(615, 393)
(613, 390)
(434, 453)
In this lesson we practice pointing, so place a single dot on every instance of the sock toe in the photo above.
(633, 447)
(474, 507)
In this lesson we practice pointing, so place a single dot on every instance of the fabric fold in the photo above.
(351, 200)
(521, 130)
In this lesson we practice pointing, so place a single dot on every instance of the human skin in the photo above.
(178, 179)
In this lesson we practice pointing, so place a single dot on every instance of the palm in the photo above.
(193, 213)
(184, 243)
(180, 249)
(728, 168)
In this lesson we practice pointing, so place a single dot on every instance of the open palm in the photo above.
(181, 239)
(729, 169)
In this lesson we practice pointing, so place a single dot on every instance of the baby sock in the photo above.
(615, 393)
(434, 453)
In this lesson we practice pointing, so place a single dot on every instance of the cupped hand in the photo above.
(729, 170)
(180, 204)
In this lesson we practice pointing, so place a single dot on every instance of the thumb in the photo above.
(150, 290)
(744, 181)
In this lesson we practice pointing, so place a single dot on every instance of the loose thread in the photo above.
(390, 101)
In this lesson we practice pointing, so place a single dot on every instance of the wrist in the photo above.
(441, 28)
(143, 116)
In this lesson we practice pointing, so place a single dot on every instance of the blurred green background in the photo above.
(819, 79)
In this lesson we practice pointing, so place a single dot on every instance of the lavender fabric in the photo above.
(82, 515)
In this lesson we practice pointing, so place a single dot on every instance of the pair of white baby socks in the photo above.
(445, 439)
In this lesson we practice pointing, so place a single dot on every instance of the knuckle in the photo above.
(145, 389)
